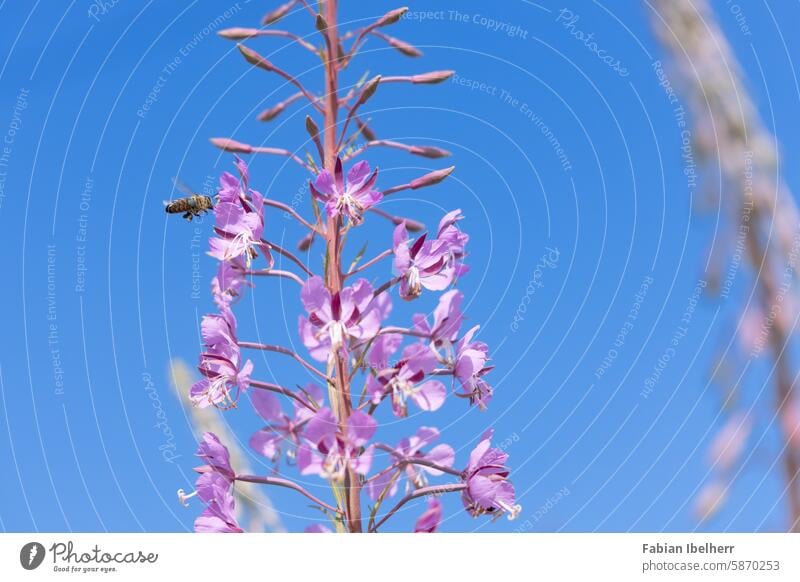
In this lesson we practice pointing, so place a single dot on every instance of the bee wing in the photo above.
(182, 187)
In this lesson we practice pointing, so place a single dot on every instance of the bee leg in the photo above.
(188, 216)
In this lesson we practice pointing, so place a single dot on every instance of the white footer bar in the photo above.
(401, 557)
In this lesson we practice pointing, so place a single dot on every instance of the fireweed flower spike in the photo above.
(367, 368)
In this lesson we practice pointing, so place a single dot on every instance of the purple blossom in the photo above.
(382, 349)
(318, 528)
(232, 189)
(226, 285)
(218, 330)
(486, 476)
(220, 364)
(219, 515)
(215, 454)
(238, 230)
(347, 198)
(328, 452)
(447, 319)
(353, 313)
(432, 264)
(470, 367)
(410, 449)
(282, 430)
(239, 218)
(406, 381)
(223, 380)
(455, 238)
(430, 519)
(213, 487)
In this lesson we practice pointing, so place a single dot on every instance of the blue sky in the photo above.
(569, 173)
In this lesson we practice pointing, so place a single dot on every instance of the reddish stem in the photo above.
(333, 276)
(282, 350)
(421, 492)
(278, 482)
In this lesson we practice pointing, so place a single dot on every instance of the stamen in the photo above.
(183, 497)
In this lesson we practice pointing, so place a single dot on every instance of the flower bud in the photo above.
(232, 146)
(406, 48)
(278, 13)
(428, 152)
(305, 243)
(274, 111)
(391, 17)
(255, 59)
(431, 178)
(432, 77)
(311, 127)
(238, 33)
(368, 91)
(368, 134)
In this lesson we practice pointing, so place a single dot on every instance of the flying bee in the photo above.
(190, 206)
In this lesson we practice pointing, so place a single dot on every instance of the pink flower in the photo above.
(215, 454)
(220, 364)
(219, 515)
(405, 381)
(429, 521)
(470, 367)
(488, 489)
(430, 264)
(410, 449)
(232, 189)
(353, 313)
(382, 349)
(329, 453)
(213, 487)
(239, 221)
(350, 198)
(282, 430)
(447, 319)
(223, 380)
(226, 286)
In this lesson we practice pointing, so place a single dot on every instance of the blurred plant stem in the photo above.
(740, 160)
(252, 505)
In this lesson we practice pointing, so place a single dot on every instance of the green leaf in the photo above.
(359, 256)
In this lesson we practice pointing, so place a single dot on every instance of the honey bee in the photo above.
(190, 206)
